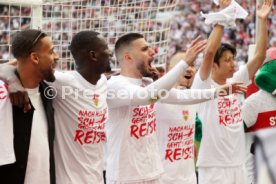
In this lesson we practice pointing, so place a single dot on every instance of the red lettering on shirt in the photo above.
(179, 154)
(143, 121)
(91, 127)
(229, 111)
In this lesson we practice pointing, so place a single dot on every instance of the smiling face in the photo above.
(142, 55)
(47, 59)
(187, 78)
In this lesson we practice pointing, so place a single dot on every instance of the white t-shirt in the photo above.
(38, 165)
(258, 112)
(80, 117)
(175, 133)
(132, 147)
(6, 127)
(223, 141)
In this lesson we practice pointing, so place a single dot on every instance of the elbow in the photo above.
(260, 57)
(209, 55)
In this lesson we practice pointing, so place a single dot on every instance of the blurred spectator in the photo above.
(115, 17)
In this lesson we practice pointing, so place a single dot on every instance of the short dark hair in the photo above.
(25, 42)
(126, 39)
(82, 43)
(224, 47)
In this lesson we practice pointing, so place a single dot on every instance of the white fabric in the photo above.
(80, 117)
(188, 96)
(249, 159)
(142, 95)
(265, 154)
(132, 148)
(222, 143)
(263, 175)
(227, 16)
(155, 181)
(258, 102)
(38, 165)
(221, 175)
(6, 127)
(175, 133)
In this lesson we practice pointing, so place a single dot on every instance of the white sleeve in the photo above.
(198, 83)
(122, 93)
(249, 111)
(62, 79)
(189, 96)
(241, 75)
(6, 127)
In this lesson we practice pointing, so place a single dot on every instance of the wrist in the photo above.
(263, 18)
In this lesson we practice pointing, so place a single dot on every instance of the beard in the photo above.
(49, 76)
(143, 69)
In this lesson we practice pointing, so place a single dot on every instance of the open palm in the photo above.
(263, 11)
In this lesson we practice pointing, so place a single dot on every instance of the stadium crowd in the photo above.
(185, 25)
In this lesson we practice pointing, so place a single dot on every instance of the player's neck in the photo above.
(29, 79)
(91, 76)
(218, 78)
(131, 74)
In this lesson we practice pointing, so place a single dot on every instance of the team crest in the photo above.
(185, 115)
(95, 99)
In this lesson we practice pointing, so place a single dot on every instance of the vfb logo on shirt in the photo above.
(185, 115)
(95, 99)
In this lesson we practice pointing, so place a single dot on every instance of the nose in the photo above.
(56, 56)
(189, 69)
(233, 64)
(152, 52)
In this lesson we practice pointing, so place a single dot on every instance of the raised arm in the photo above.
(213, 44)
(153, 91)
(261, 44)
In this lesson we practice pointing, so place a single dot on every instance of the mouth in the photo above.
(149, 64)
(188, 77)
(54, 65)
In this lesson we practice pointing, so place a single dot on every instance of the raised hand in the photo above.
(264, 9)
(224, 3)
(231, 88)
(194, 49)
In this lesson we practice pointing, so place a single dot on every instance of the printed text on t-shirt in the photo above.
(143, 121)
(180, 143)
(229, 111)
(91, 126)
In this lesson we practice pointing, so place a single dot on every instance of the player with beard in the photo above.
(30, 137)
(81, 111)
(132, 148)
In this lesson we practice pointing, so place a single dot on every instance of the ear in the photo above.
(127, 57)
(92, 55)
(34, 57)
